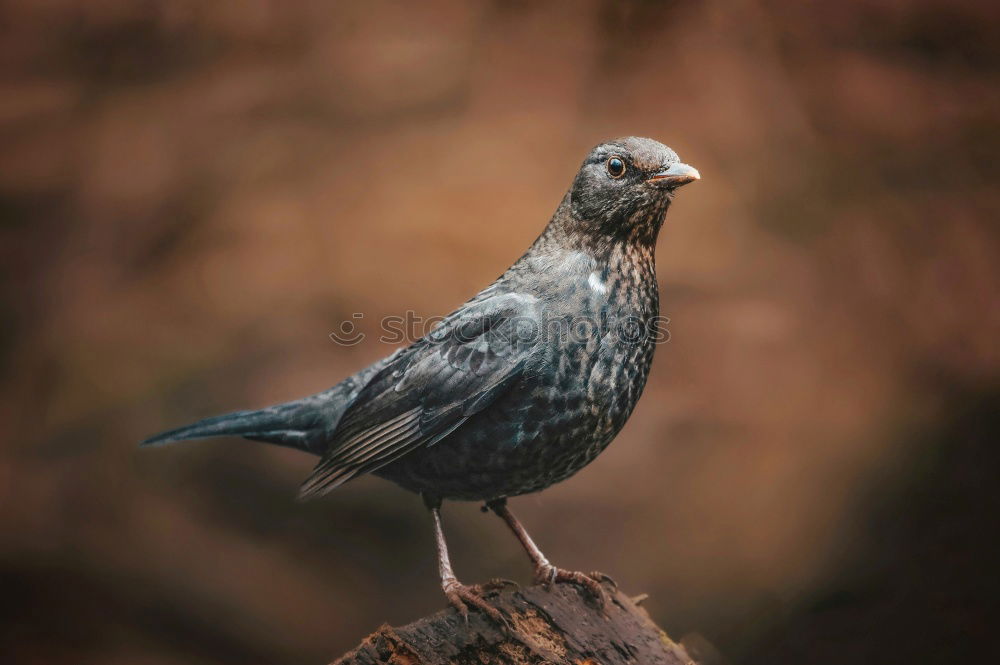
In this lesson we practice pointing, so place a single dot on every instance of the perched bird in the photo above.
(518, 388)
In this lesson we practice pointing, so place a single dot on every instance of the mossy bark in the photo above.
(557, 626)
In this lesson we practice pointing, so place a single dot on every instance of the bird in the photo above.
(517, 389)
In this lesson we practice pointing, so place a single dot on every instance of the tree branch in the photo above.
(561, 626)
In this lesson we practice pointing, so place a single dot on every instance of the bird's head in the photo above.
(624, 187)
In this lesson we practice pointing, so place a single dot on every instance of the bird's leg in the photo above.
(545, 572)
(459, 595)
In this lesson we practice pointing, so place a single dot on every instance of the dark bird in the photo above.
(517, 389)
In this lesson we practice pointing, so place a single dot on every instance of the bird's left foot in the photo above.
(549, 575)
(460, 596)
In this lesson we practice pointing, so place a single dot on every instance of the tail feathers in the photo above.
(306, 424)
(299, 424)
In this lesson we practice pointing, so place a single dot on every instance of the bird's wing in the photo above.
(432, 387)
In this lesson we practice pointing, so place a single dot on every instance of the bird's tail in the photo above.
(306, 424)
(299, 424)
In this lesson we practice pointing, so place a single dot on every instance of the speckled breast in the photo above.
(564, 411)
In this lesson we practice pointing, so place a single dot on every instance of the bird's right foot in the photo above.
(549, 575)
(460, 596)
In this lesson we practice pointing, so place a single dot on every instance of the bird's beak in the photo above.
(675, 175)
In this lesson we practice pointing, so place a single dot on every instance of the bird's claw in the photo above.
(460, 596)
(498, 584)
(602, 577)
(549, 575)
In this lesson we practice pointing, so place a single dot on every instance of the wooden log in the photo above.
(558, 626)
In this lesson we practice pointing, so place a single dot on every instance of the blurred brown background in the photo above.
(194, 194)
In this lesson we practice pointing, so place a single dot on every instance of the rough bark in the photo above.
(557, 626)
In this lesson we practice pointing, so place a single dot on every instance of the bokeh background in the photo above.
(193, 195)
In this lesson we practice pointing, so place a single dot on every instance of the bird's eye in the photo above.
(616, 167)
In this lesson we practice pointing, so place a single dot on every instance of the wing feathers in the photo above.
(428, 390)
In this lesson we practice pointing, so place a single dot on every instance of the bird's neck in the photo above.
(619, 266)
(633, 240)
